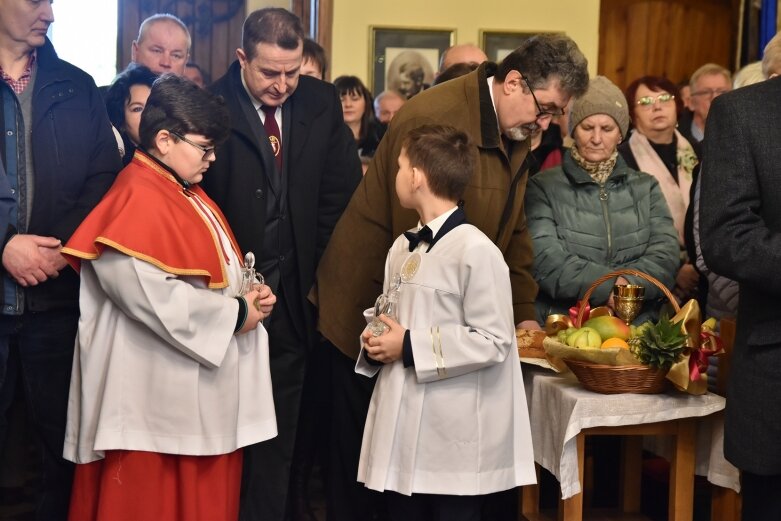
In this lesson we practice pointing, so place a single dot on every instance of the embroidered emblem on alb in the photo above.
(410, 267)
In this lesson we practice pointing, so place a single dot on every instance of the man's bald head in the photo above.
(163, 44)
(387, 104)
(464, 53)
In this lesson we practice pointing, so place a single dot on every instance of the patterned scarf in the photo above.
(599, 172)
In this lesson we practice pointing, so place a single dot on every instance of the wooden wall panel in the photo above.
(215, 27)
(670, 38)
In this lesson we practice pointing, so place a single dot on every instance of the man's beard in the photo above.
(521, 132)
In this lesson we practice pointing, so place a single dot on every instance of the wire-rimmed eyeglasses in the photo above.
(207, 151)
(648, 101)
(542, 113)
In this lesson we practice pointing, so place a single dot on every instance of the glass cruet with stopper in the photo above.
(387, 304)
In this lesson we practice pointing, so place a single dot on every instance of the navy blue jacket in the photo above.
(75, 159)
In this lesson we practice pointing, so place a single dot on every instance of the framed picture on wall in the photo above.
(405, 59)
(498, 44)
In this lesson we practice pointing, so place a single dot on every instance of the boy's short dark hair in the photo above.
(446, 156)
(315, 53)
(178, 105)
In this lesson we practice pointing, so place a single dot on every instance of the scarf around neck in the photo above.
(600, 171)
(676, 194)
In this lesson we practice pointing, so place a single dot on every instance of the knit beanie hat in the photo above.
(602, 97)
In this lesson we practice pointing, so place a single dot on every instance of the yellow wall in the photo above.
(352, 19)
(579, 19)
(253, 5)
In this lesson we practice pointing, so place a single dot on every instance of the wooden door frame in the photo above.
(317, 17)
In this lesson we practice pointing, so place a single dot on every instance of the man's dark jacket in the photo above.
(321, 165)
(75, 160)
(740, 236)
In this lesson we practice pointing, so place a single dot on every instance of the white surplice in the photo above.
(157, 366)
(457, 423)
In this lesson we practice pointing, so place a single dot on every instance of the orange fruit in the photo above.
(614, 342)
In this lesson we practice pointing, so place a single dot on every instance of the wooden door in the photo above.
(670, 38)
(214, 25)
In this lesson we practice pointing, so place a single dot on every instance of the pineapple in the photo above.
(659, 345)
(638, 330)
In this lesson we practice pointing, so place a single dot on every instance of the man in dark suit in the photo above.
(282, 178)
(740, 233)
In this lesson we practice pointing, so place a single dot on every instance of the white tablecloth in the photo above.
(559, 408)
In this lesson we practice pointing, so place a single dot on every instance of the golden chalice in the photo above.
(628, 301)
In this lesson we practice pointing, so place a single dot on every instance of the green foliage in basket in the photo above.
(660, 345)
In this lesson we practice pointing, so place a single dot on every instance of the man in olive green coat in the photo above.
(499, 106)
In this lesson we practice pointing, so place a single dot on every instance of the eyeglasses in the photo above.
(207, 151)
(540, 112)
(711, 93)
(648, 101)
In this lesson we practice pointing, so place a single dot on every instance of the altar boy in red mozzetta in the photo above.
(170, 373)
(448, 421)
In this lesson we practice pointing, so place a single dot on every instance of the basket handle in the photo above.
(618, 273)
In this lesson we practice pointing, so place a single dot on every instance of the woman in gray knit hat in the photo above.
(593, 214)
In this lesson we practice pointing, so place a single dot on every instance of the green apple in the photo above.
(572, 336)
(589, 338)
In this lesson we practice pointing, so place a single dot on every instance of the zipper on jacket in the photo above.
(603, 196)
(54, 134)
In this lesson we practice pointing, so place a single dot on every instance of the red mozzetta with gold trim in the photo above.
(147, 214)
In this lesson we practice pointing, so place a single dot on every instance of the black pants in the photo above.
(348, 500)
(38, 349)
(761, 497)
(266, 473)
(501, 506)
(314, 423)
(433, 507)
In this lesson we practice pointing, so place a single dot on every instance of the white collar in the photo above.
(490, 81)
(436, 224)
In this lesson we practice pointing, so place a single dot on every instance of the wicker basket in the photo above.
(614, 379)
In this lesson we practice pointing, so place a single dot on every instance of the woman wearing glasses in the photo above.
(171, 374)
(593, 214)
(657, 148)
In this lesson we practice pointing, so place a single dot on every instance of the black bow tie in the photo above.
(424, 235)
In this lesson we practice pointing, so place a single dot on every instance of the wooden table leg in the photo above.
(682, 472)
(571, 509)
(530, 497)
(631, 473)
(725, 504)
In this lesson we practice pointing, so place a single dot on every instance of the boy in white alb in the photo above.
(448, 420)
